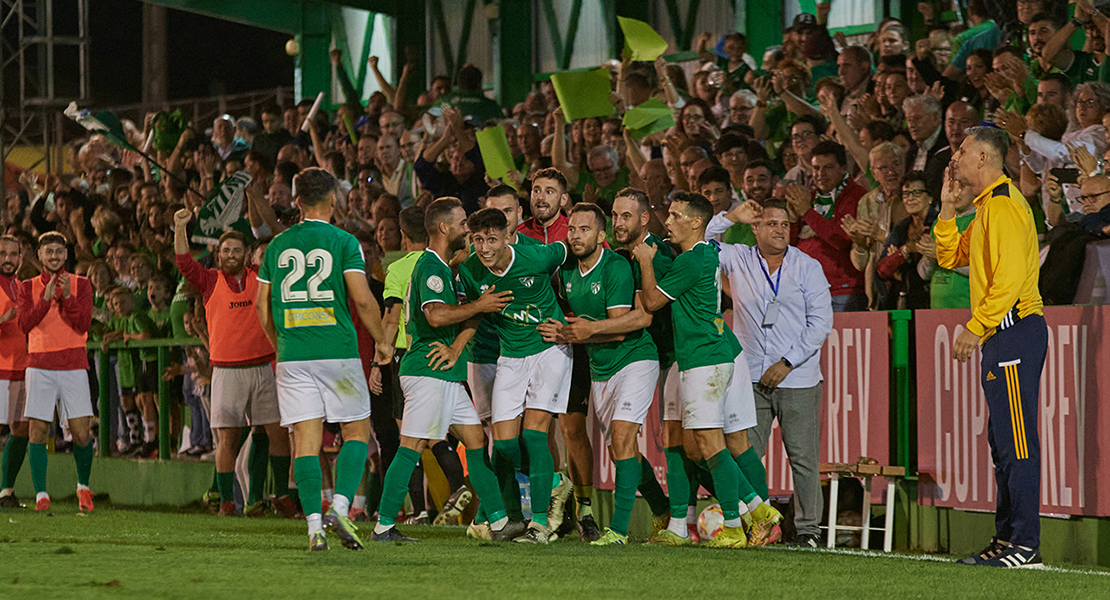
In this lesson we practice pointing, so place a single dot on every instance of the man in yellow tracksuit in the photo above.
(1000, 246)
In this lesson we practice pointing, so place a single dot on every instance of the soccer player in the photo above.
(532, 382)
(13, 363)
(55, 311)
(315, 266)
(624, 365)
(432, 375)
(243, 389)
(1000, 246)
(707, 355)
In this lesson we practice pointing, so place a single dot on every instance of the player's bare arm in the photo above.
(440, 314)
(265, 313)
(652, 298)
(443, 357)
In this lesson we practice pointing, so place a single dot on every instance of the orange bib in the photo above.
(234, 333)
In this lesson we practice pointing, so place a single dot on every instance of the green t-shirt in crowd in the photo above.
(948, 288)
(432, 281)
(740, 233)
(485, 347)
(693, 284)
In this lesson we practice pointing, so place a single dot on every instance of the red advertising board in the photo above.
(953, 456)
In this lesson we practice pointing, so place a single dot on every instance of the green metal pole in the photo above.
(163, 405)
(512, 51)
(762, 24)
(105, 408)
(901, 355)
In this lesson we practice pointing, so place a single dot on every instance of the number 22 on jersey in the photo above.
(299, 262)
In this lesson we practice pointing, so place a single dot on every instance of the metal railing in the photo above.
(203, 111)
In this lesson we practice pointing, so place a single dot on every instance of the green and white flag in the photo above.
(223, 211)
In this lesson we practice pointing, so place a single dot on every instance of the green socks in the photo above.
(349, 466)
(309, 478)
(485, 483)
(226, 483)
(726, 478)
(396, 484)
(504, 469)
(83, 456)
(257, 465)
(14, 452)
(38, 466)
(678, 483)
(651, 490)
(754, 471)
(542, 470)
(280, 466)
(624, 498)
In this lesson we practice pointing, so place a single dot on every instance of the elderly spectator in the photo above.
(898, 266)
(930, 153)
(1096, 206)
(875, 217)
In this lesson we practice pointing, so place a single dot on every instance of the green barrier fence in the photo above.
(900, 369)
(164, 394)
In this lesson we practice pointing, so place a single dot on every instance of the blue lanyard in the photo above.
(778, 277)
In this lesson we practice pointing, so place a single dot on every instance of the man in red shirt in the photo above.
(13, 363)
(55, 311)
(816, 229)
(549, 196)
(244, 390)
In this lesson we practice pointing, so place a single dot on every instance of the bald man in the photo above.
(959, 116)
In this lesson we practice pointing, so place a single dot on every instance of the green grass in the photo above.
(116, 553)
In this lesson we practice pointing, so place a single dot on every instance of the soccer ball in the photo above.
(710, 522)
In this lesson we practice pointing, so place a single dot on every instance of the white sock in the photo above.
(678, 527)
(754, 503)
(737, 522)
(328, 494)
(691, 514)
(380, 529)
(314, 523)
(41, 495)
(81, 487)
(499, 524)
(359, 503)
(150, 431)
(6, 492)
(743, 508)
(341, 504)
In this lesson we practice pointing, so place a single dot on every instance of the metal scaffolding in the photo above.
(47, 53)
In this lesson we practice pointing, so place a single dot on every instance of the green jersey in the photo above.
(694, 286)
(397, 278)
(432, 281)
(949, 288)
(661, 328)
(485, 347)
(591, 294)
(528, 278)
(305, 265)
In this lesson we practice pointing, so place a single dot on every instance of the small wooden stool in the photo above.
(865, 472)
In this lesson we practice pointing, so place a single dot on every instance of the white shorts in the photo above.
(626, 396)
(243, 396)
(740, 401)
(433, 405)
(13, 401)
(539, 382)
(68, 390)
(333, 390)
(668, 389)
(480, 377)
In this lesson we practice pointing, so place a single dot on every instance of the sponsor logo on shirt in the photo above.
(240, 304)
(309, 317)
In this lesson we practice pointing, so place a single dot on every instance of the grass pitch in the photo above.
(117, 553)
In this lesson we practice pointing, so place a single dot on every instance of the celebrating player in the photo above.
(55, 311)
(315, 266)
(13, 363)
(432, 375)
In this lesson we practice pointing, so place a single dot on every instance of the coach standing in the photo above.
(55, 311)
(1000, 246)
(782, 313)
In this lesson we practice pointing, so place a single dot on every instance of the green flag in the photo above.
(583, 94)
(494, 146)
(649, 117)
(223, 211)
(642, 42)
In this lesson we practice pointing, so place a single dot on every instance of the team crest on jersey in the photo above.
(595, 287)
(568, 287)
(482, 289)
(435, 284)
(527, 281)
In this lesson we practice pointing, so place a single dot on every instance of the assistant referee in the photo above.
(1000, 246)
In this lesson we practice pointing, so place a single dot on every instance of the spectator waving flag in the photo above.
(223, 211)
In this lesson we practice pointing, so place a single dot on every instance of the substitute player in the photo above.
(432, 375)
(55, 311)
(532, 383)
(243, 389)
(1000, 246)
(624, 365)
(315, 266)
(13, 363)
(707, 357)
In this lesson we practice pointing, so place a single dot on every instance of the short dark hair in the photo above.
(501, 190)
(828, 147)
(916, 176)
(776, 203)
(469, 78)
(552, 173)
(437, 213)
(1059, 78)
(263, 159)
(880, 130)
(696, 205)
(643, 203)
(486, 219)
(10, 238)
(313, 186)
(729, 141)
(51, 237)
(1007, 49)
(286, 171)
(818, 123)
(595, 210)
(759, 164)
(714, 174)
(411, 221)
(1057, 23)
(272, 109)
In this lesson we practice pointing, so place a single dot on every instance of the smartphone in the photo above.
(1064, 175)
